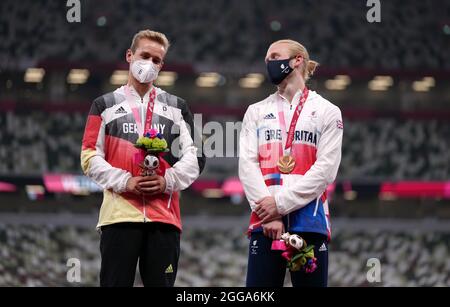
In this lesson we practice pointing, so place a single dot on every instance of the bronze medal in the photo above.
(286, 164)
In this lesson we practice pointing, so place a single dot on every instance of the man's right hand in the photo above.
(133, 185)
(273, 229)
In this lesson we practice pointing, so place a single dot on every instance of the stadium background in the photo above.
(391, 80)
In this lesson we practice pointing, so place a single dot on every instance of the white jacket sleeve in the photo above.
(93, 160)
(323, 171)
(107, 176)
(187, 169)
(249, 170)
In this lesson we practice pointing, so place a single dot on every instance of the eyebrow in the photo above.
(271, 55)
(146, 53)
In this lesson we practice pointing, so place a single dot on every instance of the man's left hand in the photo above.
(152, 185)
(266, 209)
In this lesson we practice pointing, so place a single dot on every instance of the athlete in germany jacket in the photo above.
(108, 155)
(300, 196)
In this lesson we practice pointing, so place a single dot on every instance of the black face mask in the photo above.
(278, 70)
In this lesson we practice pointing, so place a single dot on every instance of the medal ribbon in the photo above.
(148, 115)
(295, 117)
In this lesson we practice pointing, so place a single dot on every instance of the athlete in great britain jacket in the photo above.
(299, 194)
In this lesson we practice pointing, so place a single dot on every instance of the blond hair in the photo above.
(158, 37)
(295, 48)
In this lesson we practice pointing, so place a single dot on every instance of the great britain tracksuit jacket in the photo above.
(300, 195)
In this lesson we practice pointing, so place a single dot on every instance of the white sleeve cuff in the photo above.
(169, 182)
(281, 206)
(122, 186)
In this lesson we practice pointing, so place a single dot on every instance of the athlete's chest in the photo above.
(129, 120)
(274, 123)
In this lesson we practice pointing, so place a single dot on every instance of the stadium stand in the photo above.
(383, 148)
(38, 255)
(237, 33)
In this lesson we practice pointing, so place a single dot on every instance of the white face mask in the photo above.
(144, 71)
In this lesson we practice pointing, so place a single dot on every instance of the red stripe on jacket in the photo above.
(91, 132)
(270, 153)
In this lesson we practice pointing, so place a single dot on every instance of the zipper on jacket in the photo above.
(143, 202)
(317, 206)
(170, 201)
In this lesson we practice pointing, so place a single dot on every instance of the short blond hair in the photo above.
(158, 37)
(295, 48)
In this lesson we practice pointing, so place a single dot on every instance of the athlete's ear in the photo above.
(298, 61)
(129, 55)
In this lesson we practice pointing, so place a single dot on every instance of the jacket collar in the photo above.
(135, 95)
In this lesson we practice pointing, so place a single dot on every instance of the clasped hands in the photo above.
(271, 221)
(146, 185)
